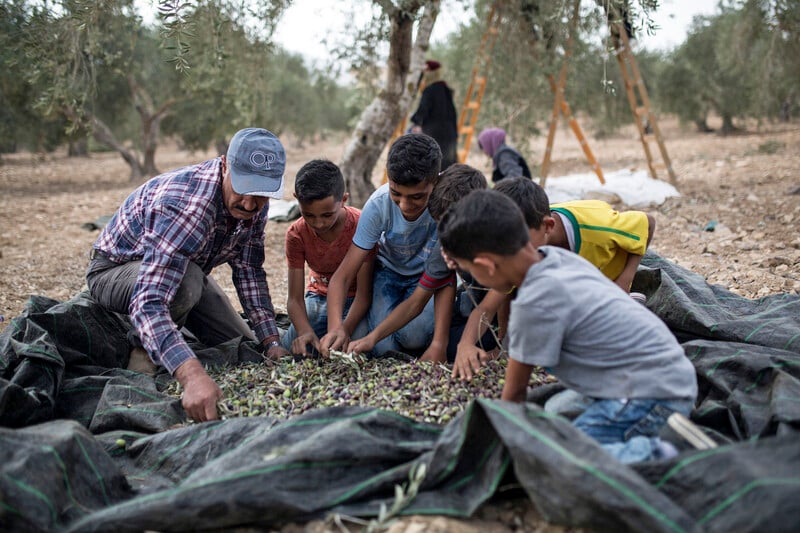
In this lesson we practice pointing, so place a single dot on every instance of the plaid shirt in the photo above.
(169, 221)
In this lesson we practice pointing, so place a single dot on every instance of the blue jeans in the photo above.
(317, 311)
(389, 289)
(628, 430)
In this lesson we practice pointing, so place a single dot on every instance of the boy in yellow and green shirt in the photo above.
(611, 240)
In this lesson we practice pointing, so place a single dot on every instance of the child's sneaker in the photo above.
(684, 434)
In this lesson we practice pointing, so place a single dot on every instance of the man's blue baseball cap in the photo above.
(257, 162)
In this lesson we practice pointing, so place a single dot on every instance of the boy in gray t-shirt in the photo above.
(569, 318)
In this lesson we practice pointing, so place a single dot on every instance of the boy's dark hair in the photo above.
(530, 198)
(414, 158)
(454, 184)
(483, 221)
(318, 179)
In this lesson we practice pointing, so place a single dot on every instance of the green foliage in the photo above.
(211, 69)
(21, 126)
(530, 50)
(743, 62)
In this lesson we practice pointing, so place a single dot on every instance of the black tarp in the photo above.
(87, 445)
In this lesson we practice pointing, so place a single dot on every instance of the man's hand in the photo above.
(336, 339)
(200, 392)
(300, 344)
(362, 345)
(469, 360)
(275, 352)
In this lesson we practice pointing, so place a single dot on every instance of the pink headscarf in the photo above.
(490, 140)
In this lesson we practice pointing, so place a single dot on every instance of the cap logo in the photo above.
(260, 159)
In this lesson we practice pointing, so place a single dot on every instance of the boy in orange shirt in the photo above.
(321, 238)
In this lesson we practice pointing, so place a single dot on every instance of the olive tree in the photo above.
(394, 20)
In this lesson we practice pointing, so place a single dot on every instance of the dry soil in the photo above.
(748, 183)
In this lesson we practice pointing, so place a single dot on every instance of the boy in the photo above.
(569, 318)
(320, 238)
(396, 219)
(437, 280)
(615, 243)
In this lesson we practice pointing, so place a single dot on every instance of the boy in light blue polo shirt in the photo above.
(397, 221)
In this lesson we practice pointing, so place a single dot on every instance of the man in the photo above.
(153, 259)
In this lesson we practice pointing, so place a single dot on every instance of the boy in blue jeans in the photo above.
(568, 317)
(320, 239)
(437, 281)
(396, 219)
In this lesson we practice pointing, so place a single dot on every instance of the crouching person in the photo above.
(570, 319)
(153, 259)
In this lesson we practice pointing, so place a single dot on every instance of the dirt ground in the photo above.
(748, 183)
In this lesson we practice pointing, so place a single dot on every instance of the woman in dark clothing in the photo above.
(506, 161)
(436, 114)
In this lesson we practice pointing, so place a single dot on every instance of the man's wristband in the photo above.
(272, 344)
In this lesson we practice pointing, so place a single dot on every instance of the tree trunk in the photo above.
(377, 122)
(103, 134)
(78, 147)
(727, 125)
(151, 123)
(702, 125)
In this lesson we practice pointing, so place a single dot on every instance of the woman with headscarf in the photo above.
(506, 161)
(436, 113)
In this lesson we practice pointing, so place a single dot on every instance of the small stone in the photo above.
(778, 260)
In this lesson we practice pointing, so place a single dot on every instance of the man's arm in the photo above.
(250, 281)
(470, 358)
(160, 275)
(401, 315)
(443, 314)
(337, 336)
(517, 377)
(296, 307)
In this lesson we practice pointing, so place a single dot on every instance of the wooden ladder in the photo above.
(477, 85)
(561, 106)
(639, 101)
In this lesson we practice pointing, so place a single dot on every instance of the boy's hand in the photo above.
(336, 339)
(300, 344)
(362, 345)
(434, 354)
(448, 261)
(469, 360)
